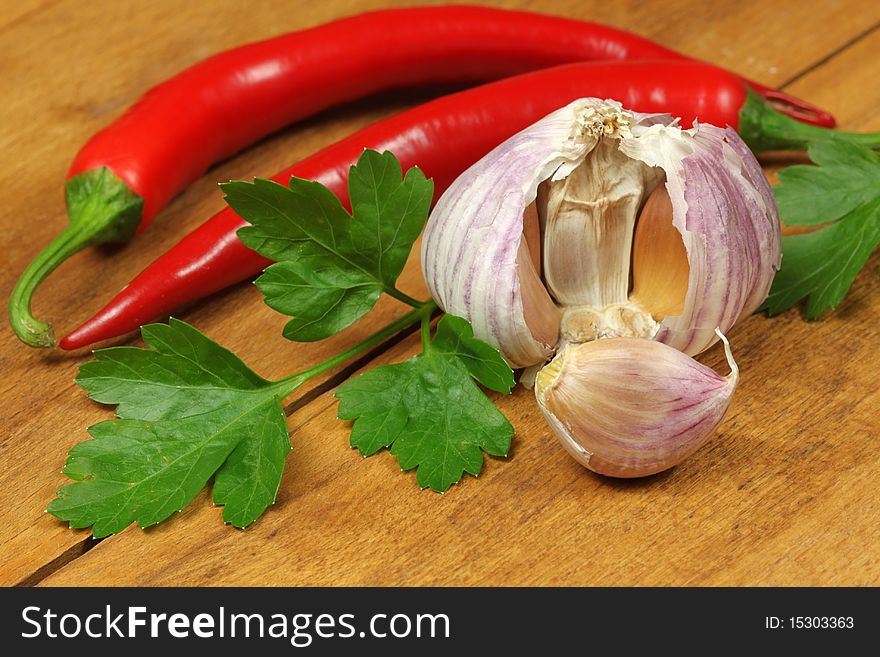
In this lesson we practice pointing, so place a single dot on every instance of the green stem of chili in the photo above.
(765, 129)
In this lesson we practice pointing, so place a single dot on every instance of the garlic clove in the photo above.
(540, 314)
(768, 250)
(725, 213)
(588, 219)
(660, 262)
(630, 407)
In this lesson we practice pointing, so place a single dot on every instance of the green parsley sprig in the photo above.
(428, 409)
(840, 196)
(188, 409)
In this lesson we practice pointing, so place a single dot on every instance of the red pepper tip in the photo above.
(795, 107)
(93, 330)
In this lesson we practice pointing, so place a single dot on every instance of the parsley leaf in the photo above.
(188, 409)
(429, 410)
(821, 265)
(182, 373)
(332, 266)
(848, 176)
(455, 339)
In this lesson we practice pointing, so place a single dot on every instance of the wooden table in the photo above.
(786, 493)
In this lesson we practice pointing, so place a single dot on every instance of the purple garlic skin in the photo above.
(732, 234)
(722, 212)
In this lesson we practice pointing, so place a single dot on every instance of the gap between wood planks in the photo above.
(827, 58)
(84, 546)
(79, 549)
(73, 552)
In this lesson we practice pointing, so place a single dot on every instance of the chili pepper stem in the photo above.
(101, 209)
(419, 314)
(766, 129)
(28, 328)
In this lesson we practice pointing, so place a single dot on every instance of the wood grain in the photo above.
(785, 494)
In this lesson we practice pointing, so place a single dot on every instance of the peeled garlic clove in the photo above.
(588, 225)
(630, 407)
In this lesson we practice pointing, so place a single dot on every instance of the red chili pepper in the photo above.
(130, 170)
(444, 137)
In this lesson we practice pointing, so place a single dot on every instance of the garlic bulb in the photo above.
(598, 223)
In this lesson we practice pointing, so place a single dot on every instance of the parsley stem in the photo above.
(421, 313)
(426, 333)
(392, 291)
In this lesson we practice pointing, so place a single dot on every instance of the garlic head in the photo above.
(600, 220)
(624, 243)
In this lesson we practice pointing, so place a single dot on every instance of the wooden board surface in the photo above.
(786, 493)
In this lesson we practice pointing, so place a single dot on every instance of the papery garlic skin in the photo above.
(722, 208)
(471, 241)
(630, 407)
